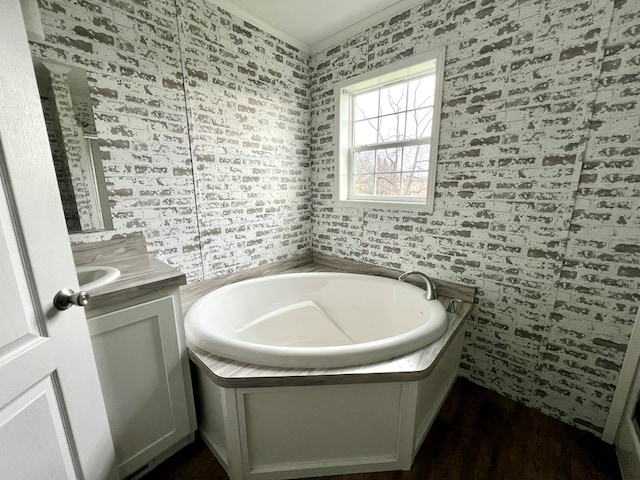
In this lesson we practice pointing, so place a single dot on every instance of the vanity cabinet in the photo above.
(141, 355)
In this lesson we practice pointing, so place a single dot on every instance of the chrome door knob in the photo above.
(66, 298)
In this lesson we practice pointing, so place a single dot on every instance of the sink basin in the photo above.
(91, 277)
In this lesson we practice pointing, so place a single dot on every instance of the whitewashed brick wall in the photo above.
(230, 96)
(218, 143)
(537, 192)
(131, 53)
(248, 107)
(599, 287)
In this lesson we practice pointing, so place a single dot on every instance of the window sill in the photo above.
(376, 204)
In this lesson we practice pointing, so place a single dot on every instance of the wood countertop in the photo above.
(140, 273)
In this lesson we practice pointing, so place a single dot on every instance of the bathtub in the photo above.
(315, 320)
(320, 408)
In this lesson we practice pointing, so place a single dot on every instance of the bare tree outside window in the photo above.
(387, 121)
(391, 137)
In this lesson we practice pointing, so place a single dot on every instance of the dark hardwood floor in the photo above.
(479, 435)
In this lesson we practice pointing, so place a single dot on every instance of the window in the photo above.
(387, 134)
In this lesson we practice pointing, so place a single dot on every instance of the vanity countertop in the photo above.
(140, 273)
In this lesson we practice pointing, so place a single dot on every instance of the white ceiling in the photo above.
(308, 23)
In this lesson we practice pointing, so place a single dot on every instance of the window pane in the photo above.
(365, 132)
(393, 99)
(419, 123)
(388, 184)
(415, 158)
(388, 160)
(364, 162)
(421, 92)
(365, 105)
(386, 134)
(363, 184)
(414, 184)
(392, 128)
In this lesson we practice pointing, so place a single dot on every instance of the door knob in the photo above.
(66, 298)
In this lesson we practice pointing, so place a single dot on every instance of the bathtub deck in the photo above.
(488, 438)
(413, 366)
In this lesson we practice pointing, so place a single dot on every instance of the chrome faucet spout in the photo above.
(431, 288)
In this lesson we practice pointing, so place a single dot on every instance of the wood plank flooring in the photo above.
(479, 435)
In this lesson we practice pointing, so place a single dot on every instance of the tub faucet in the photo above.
(431, 288)
(452, 307)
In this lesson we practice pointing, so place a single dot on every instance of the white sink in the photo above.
(91, 277)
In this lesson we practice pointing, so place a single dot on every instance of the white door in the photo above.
(53, 422)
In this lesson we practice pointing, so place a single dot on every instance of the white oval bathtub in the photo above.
(315, 320)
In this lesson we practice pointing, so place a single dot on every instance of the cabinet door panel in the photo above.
(139, 365)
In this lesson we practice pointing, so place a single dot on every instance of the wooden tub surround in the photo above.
(478, 435)
(276, 423)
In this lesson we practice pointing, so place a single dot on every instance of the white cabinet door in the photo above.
(139, 361)
(53, 422)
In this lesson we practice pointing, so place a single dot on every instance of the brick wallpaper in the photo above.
(537, 187)
(248, 106)
(218, 145)
(60, 163)
(240, 110)
(72, 145)
(131, 54)
(599, 289)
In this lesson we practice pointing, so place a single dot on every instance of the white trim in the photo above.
(378, 78)
(362, 25)
(623, 388)
(235, 9)
(381, 16)
(88, 168)
(32, 20)
(55, 67)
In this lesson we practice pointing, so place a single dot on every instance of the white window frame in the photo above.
(377, 79)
